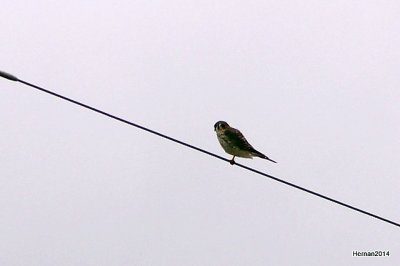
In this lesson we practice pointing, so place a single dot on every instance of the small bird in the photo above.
(234, 143)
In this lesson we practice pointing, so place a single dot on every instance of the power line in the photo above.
(14, 78)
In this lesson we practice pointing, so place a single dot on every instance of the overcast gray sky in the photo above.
(312, 84)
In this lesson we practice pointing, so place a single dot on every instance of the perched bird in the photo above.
(234, 143)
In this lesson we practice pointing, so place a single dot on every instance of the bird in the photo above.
(234, 143)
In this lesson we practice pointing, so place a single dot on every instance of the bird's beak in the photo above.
(215, 126)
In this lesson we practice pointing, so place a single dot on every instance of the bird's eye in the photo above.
(222, 126)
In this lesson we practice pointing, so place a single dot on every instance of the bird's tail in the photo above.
(259, 154)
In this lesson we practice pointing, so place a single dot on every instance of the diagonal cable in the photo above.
(14, 78)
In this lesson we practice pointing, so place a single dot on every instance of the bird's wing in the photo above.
(236, 139)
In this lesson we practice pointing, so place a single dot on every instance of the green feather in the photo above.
(235, 138)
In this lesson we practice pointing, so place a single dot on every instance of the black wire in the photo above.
(13, 78)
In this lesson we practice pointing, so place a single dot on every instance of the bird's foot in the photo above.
(232, 162)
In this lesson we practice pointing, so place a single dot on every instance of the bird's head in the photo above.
(220, 126)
